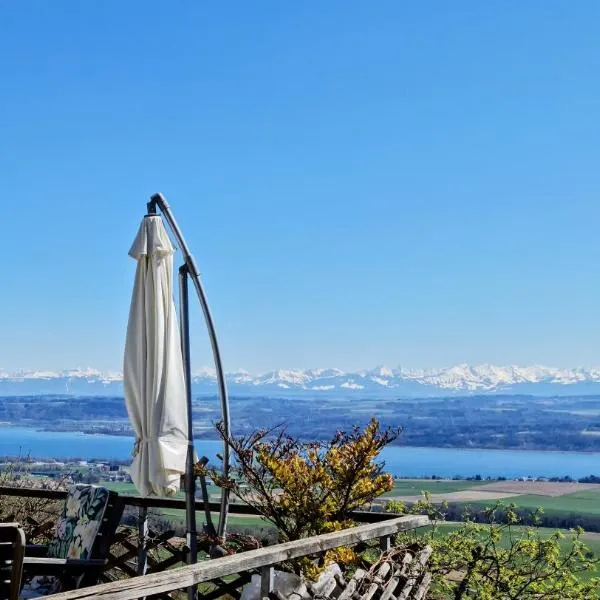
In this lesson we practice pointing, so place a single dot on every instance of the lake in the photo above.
(400, 460)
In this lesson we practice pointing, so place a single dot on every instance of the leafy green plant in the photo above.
(502, 559)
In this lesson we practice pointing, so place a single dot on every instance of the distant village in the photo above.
(45, 473)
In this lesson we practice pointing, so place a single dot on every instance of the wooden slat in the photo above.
(377, 581)
(407, 560)
(416, 570)
(390, 586)
(423, 587)
(193, 574)
(351, 586)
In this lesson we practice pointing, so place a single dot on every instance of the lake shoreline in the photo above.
(24, 443)
(211, 438)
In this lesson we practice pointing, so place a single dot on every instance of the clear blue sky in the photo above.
(361, 182)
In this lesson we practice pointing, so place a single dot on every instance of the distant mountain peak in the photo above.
(380, 381)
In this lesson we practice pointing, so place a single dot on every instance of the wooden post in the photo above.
(385, 543)
(142, 561)
(267, 575)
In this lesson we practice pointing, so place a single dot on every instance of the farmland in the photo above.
(412, 487)
(585, 502)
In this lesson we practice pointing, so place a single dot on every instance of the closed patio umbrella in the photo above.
(154, 381)
(157, 375)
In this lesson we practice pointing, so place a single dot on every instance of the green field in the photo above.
(128, 489)
(247, 521)
(585, 502)
(415, 487)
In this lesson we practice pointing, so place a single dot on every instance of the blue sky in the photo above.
(361, 183)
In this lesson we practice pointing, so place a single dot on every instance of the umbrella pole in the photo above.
(158, 200)
(190, 479)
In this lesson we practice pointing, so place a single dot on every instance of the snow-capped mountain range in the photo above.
(379, 382)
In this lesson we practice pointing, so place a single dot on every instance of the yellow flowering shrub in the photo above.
(308, 489)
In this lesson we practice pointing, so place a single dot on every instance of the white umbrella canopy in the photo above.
(153, 375)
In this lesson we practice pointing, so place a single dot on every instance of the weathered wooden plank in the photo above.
(390, 586)
(350, 588)
(115, 561)
(416, 571)
(423, 587)
(406, 562)
(193, 574)
(378, 579)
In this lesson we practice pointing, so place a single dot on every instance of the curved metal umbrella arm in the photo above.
(158, 200)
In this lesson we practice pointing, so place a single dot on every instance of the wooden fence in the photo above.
(262, 559)
(141, 561)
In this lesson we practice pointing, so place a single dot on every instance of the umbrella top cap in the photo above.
(152, 239)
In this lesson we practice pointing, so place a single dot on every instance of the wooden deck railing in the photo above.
(262, 559)
(147, 558)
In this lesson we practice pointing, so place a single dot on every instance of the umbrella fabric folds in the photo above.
(154, 380)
